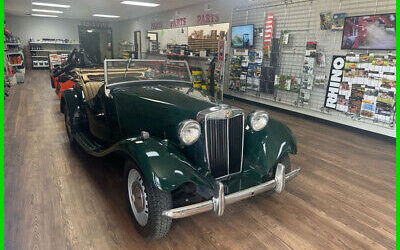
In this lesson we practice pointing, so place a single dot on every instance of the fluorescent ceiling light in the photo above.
(89, 31)
(108, 16)
(141, 3)
(42, 15)
(51, 4)
(47, 11)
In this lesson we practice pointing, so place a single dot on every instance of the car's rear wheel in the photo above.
(68, 125)
(146, 204)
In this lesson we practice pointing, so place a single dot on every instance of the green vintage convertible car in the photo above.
(185, 152)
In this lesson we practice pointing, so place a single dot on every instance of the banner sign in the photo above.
(269, 29)
(207, 18)
(178, 22)
(335, 79)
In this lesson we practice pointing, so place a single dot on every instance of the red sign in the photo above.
(269, 29)
(156, 26)
(178, 22)
(207, 18)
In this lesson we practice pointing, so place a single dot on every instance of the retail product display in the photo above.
(370, 32)
(40, 50)
(129, 126)
(126, 49)
(14, 60)
(363, 85)
(254, 70)
(242, 36)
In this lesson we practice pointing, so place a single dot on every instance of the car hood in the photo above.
(157, 109)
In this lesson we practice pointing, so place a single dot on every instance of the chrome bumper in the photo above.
(217, 204)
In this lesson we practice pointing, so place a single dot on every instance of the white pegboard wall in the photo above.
(302, 19)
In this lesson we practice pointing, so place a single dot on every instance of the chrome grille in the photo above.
(224, 131)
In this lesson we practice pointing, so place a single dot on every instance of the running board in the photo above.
(90, 146)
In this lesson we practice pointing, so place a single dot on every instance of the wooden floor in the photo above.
(61, 198)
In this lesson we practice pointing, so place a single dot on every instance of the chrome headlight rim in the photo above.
(188, 124)
(258, 114)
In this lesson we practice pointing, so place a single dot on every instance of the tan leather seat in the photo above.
(90, 89)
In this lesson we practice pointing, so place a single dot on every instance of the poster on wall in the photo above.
(338, 21)
(363, 85)
(326, 21)
(370, 32)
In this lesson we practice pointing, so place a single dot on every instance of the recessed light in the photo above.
(43, 15)
(107, 16)
(47, 11)
(51, 4)
(141, 3)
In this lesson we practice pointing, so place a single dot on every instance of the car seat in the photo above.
(90, 89)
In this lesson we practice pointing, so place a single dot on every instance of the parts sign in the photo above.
(335, 79)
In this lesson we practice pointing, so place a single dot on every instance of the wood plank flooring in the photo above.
(61, 198)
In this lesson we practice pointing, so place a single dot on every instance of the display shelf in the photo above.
(53, 43)
(51, 50)
(41, 66)
(16, 65)
(14, 53)
(12, 44)
(40, 56)
(371, 127)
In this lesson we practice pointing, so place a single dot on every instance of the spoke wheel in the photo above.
(146, 204)
(68, 125)
(138, 197)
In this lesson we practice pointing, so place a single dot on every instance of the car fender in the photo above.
(266, 147)
(69, 98)
(164, 166)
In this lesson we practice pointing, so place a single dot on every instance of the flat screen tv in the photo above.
(243, 36)
(370, 32)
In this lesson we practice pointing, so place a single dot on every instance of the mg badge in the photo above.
(228, 113)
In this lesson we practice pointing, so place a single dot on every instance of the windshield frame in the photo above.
(106, 83)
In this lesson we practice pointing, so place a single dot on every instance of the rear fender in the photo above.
(164, 166)
(70, 100)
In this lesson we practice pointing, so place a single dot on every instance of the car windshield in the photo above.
(126, 70)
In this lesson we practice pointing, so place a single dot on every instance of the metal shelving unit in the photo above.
(40, 51)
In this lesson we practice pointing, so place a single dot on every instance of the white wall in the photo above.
(26, 27)
(123, 30)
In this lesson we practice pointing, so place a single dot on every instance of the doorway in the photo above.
(97, 42)
(138, 44)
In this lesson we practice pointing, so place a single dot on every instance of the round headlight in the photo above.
(189, 132)
(258, 120)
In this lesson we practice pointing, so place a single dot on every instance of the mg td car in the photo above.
(185, 153)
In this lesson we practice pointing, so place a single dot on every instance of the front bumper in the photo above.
(217, 204)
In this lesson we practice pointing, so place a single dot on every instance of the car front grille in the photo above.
(224, 143)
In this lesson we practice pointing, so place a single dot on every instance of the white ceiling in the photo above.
(84, 9)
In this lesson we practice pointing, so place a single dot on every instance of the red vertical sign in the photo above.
(269, 29)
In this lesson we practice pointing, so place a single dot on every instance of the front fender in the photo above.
(266, 147)
(164, 166)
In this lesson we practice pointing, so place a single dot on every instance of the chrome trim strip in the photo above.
(218, 204)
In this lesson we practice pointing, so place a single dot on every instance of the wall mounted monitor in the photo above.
(242, 36)
(374, 32)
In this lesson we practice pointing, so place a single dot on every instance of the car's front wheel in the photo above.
(146, 204)
(68, 125)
